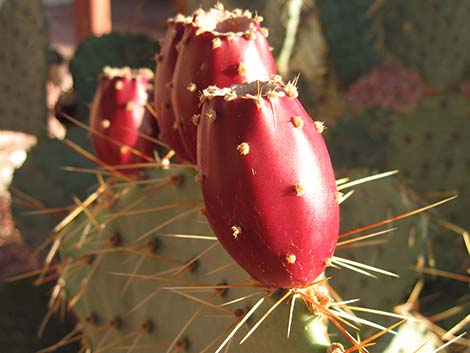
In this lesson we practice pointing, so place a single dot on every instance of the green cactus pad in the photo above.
(411, 336)
(353, 37)
(431, 37)
(133, 263)
(115, 50)
(130, 229)
(42, 178)
(358, 139)
(309, 53)
(373, 202)
(429, 145)
(24, 63)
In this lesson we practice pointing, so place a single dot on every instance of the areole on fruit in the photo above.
(268, 183)
(120, 123)
(222, 48)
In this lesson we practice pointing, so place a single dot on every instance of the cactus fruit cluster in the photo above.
(237, 243)
(218, 47)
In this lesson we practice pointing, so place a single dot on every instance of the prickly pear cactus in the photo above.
(298, 49)
(358, 139)
(41, 184)
(429, 36)
(147, 273)
(114, 50)
(421, 112)
(123, 129)
(308, 59)
(353, 35)
(214, 51)
(418, 336)
(143, 270)
(425, 143)
(428, 144)
(24, 63)
(288, 221)
(396, 251)
(164, 111)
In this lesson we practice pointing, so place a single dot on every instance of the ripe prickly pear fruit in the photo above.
(119, 119)
(169, 126)
(221, 48)
(268, 183)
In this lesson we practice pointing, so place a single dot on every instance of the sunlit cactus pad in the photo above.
(133, 282)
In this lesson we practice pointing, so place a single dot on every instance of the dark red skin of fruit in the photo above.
(256, 192)
(202, 65)
(166, 62)
(128, 117)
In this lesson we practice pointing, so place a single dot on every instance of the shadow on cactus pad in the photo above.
(41, 183)
(24, 307)
(358, 140)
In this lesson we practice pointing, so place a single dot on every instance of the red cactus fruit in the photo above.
(120, 120)
(166, 62)
(268, 183)
(220, 48)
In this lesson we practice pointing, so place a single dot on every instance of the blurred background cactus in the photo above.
(24, 62)
(391, 79)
